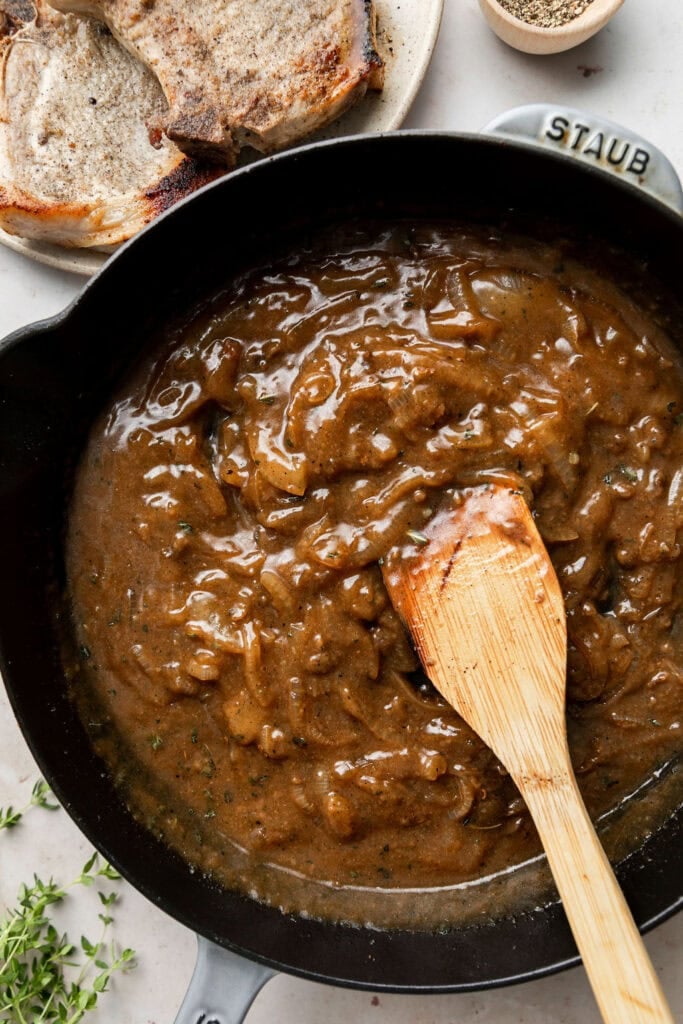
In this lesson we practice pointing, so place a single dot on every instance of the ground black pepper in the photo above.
(546, 13)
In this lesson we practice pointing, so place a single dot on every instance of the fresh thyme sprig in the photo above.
(40, 795)
(44, 977)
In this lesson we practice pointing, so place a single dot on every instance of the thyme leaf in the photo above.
(40, 794)
(44, 976)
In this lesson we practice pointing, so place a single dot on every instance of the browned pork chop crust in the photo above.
(262, 73)
(83, 161)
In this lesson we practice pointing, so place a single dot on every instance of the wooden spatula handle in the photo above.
(618, 966)
(486, 613)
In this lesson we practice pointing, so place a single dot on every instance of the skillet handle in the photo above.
(222, 988)
(597, 142)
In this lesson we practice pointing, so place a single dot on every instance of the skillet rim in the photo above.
(80, 306)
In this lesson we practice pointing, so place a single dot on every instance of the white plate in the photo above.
(407, 31)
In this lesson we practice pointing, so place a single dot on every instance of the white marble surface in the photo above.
(632, 73)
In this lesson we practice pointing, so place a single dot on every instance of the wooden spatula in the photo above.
(481, 600)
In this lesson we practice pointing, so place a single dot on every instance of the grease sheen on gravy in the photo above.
(242, 670)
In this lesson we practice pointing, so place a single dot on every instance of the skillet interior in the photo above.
(54, 377)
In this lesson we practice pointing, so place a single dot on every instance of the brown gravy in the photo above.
(243, 672)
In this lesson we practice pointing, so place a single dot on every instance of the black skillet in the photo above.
(55, 375)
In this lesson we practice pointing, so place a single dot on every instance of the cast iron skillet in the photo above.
(55, 375)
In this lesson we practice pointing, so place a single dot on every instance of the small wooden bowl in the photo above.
(534, 39)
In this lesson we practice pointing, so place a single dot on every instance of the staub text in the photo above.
(605, 148)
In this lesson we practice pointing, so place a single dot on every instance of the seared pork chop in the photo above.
(261, 73)
(83, 161)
